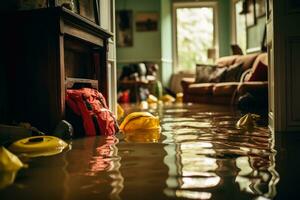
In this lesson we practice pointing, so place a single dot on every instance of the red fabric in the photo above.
(89, 104)
(259, 73)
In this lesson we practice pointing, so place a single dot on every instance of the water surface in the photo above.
(199, 155)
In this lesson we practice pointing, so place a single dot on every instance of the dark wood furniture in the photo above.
(40, 49)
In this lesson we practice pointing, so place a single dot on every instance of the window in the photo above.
(240, 25)
(195, 34)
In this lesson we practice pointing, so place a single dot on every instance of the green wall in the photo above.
(224, 17)
(166, 42)
(146, 45)
(255, 33)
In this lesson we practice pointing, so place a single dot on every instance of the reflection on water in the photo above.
(196, 155)
(142, 135)
(207, 155)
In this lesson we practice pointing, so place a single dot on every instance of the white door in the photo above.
(283, 33)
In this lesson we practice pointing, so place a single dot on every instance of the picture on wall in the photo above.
(124, 28)
(89, 10)
(146, 21)
(250, 16)
(260, 7)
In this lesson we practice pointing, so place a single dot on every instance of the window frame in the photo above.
(234, 37)
(176, 5)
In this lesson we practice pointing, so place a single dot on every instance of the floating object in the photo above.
(152, 99)
(247, 121)
(144, 105)
(142, 135)
(167, 98)
(9, 161)
(120, 112)
(38, 146)
(139, 120)
(9, 166)
(179, 97)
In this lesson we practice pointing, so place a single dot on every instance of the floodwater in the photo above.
(200, 154)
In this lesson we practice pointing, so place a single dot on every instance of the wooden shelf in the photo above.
(43, 51)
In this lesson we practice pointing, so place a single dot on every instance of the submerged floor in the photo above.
(199, 155)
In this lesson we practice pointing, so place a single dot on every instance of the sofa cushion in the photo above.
(209, 73)
(246, 60)
(225, 89)
(218, 75)
(258, 72)
(200, 88)
(263, 57)
(233, 73)
(226, 60)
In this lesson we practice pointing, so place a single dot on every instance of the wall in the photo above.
(255, 33)
(224, 17)
(146, 45)
(166, 42)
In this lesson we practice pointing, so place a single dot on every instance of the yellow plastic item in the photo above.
(9, 166)
(179, 97)
(152, 99)
(9, 161)
(38, 146)
(247, 121)
(139, 120)
(167, 98)
(120, 112)
(142, 135)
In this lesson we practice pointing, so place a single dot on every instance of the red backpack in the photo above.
(90, 107)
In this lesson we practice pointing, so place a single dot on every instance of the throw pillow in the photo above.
(233, 73)
(209, 73)
(259, 72)
(203, 73)
(218, 75)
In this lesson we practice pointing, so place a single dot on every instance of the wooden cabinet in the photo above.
(40, 50)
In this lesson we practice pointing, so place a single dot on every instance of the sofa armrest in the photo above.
(185, 82)
(253, 87)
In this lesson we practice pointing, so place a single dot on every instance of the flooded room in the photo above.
(149, 99)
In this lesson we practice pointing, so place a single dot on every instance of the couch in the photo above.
(253, 80)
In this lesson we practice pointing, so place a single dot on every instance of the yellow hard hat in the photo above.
(139, 120)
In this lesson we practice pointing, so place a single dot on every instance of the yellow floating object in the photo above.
(9, 161)
(38, 146)
(142, 135)
(167, 98)
(179, 97)
(144, 105)
(139, 120)
(9, 166)
(120, 112)
(152, 99)
(247, 121)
